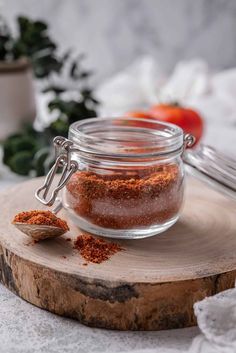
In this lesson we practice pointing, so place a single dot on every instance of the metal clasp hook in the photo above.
(63, 160)
(189, 140)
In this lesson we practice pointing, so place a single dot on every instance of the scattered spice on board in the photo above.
(40, 218)
(127, 199)
(68, 239)
(94, 249)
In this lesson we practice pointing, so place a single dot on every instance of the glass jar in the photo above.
(123, 177)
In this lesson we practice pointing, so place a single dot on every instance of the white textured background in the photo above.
(114, 32)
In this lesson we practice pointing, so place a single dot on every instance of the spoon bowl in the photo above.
(39, 231)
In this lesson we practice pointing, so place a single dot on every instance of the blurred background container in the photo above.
(17, 99)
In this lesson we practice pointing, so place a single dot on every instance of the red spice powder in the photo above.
(41, 218)
(127, 199)
(94, 249)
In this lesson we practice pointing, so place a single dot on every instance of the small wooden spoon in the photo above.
(41, 231)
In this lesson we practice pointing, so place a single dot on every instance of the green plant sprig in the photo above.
(32, 42)
(29, 151)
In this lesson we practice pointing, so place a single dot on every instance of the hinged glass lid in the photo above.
(212, 167)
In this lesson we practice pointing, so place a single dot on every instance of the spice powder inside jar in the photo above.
(127, 199)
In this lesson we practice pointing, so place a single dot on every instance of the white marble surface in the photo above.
(114, 32)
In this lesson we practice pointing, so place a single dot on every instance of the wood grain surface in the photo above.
(151, 285)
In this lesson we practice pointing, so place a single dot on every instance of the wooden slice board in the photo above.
(151, 285)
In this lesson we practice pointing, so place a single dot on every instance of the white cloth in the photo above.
(216, 317)
(133, 88)
(188, 80)
(192, 83)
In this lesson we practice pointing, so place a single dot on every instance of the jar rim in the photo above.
(126, 137)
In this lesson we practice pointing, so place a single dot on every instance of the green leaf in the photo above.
(7, 151)
(5, 40)
(17, 143)
(39, 160)
(21, 162)
(23, 24)
(40, 26)
(24, 143)
(56, 89)
(74, 69)
(59, 127)
(35, 43)
(29, 130)
(86, 74)
(66, 56)
(45, 65)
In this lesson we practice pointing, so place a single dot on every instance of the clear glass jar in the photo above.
(127, 179)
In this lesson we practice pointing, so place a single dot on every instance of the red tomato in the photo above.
(138, 114)
(189, 120)
(142, 115)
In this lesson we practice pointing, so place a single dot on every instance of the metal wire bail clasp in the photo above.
(189, 140)
(64, 161)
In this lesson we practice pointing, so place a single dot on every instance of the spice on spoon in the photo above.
(39, 217)
(94, 249)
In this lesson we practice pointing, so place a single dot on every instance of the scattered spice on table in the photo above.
(68, 239)
(41, 218)
(127, 199)
(94, 249)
